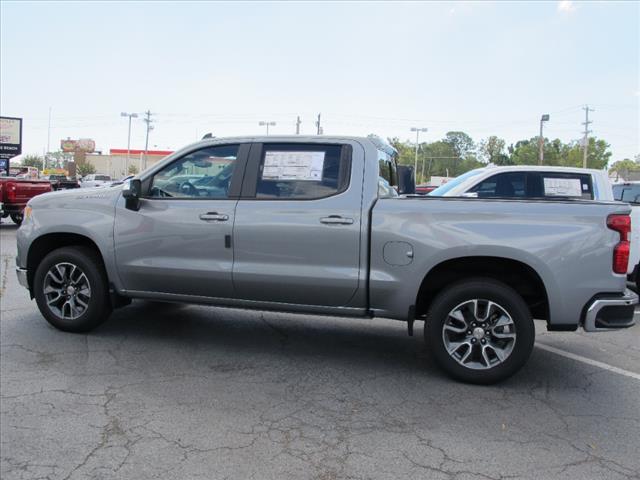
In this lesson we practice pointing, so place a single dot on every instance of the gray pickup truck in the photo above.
(317, 225)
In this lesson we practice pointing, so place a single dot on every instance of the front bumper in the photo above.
(22, 277)
(609, 312)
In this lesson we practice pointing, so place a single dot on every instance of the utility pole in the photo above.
(586, 132)
(544, 118)
(298, 122)
(319, 128)
(148, 121)
(267, 124)
(130, 115)
(48, 141)
(417, 130)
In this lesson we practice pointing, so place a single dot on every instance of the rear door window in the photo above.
(298, 171)
(560, 185)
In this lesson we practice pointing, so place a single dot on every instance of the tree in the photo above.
(58, 159)
(622, 168)
(32, 161)
(557, 153)
(492, 151)
(133, 169)
(598, 154)
(85, 169)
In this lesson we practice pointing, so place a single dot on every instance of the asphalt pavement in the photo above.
(179, 392)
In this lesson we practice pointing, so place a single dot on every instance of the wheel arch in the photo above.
(49, 242)
(514, 273)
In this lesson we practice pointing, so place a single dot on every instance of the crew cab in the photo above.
(16, 192)
(320, 225)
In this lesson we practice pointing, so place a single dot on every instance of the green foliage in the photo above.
(85, 169)
(32, 161)
(456, 154)
(133, 170)
(626, 166)
(492, 150)
(58, 159)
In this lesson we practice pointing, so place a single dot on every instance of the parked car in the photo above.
(309, 225)
(524, 182)
(16, 192)
(630, 192)
(95, 180)
(62, 182)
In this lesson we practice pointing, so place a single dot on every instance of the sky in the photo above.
(368, 67)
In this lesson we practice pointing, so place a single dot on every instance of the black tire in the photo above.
(98, 306)
(17, 218)
(457, 295)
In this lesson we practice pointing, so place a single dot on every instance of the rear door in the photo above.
(297, 229)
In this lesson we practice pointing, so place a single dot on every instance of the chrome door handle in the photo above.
(336, 220)
(214, 217)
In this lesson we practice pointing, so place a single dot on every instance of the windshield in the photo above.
(103, 177)
(442, 189)
(627, 193)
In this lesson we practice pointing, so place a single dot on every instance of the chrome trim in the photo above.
(22, 277)
(628, 298)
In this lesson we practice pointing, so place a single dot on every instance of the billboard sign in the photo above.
(86, 145)
(68, 145)
(10, 141)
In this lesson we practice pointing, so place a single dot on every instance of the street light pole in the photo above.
(417, 130)
(267, 124)
(130, 115)
(544, 118)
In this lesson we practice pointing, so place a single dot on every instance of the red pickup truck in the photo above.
(16, 192)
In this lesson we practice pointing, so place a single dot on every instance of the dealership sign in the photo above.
(10, 141)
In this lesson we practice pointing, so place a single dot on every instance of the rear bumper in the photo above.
(610, 312)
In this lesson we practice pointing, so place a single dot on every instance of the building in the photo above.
(117, 163)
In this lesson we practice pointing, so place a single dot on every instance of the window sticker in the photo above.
(562, 187)
(300, 166)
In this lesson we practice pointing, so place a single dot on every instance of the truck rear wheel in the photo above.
(480, 331)
(17, 218)
(71, 289)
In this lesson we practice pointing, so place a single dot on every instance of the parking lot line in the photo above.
(588, 361)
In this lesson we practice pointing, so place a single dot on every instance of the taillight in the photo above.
(622, 225)
(11, 191)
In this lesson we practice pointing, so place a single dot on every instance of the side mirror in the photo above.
(406, 180)
(132, 191)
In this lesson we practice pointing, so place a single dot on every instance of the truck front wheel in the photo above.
(71, 289)
(479, 330)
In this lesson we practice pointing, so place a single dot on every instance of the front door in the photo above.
(297, 230)
(179, 241)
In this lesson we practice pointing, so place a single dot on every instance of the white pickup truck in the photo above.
(529, 182)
